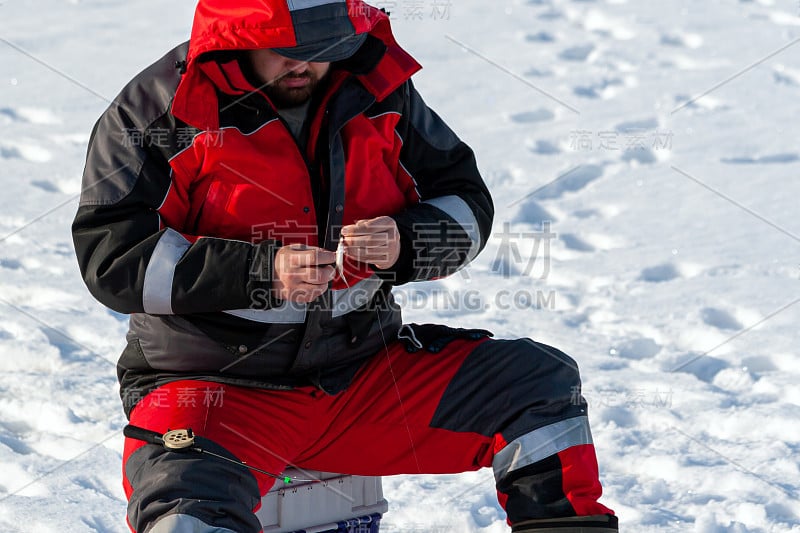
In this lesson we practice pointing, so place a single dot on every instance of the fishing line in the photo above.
(340, 269)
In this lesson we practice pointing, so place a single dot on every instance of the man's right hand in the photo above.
(302, 272)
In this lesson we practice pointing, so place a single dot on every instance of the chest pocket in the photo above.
(253, 213)
(253, 187)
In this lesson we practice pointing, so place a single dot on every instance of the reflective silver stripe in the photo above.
(461, 213)
(358, 295)
(296, 5)
(540, 444)
(184, 523)
(157, 294)
(287, 313)
(344, 301)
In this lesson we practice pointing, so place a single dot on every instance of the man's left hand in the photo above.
(375, 241)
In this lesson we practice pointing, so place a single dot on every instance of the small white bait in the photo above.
(340, 260)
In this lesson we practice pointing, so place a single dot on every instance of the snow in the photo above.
(669, 269)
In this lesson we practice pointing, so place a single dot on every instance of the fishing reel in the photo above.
(177, 440)
(174, 440)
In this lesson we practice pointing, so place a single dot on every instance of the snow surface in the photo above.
(673, 278)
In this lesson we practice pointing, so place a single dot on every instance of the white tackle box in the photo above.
(337, 503)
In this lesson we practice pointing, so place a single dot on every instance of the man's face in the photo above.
(289, 82)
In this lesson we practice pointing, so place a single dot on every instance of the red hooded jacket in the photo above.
(193, 181)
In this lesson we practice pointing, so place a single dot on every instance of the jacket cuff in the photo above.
(432, 245)
(402, 271)
(260, 270)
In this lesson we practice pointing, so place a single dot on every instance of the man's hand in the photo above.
(302, 273)
(375, 241)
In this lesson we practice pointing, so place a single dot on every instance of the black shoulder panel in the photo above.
(428, 125)
(149, 95)
(126, 135)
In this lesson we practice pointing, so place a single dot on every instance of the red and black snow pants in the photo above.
(514, 405)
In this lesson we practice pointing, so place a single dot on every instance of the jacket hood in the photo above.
(222, 25)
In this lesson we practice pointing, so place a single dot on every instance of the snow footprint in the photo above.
(735, 319)
(69, 186)
(532, 212)
(603, 211)
(636, 348)
(540, 37)
(96, 485)
(47, 186)
(575, 243)
(545, 147)
(590, 242)
(682, 39)
(551, 14)
(771, 159)
(537, 115)
(9, 264)
(581, 53)
(645, 124)
(786, 76)
(535, 72)
(12, 435)
(572, 181)
(606, 88)
(661, 273)
(700, 104)
(704, 367)
(759, 364)
(643, 141)
(669, 271)
(30, 115)
(28, 152)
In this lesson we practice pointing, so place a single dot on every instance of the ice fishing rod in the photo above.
(183, 440)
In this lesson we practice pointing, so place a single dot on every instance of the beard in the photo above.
(283, 95)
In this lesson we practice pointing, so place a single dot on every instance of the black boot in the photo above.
(604, 523)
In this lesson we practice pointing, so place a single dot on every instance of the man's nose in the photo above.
(296, 66)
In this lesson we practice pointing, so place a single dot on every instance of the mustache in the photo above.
(295, 75)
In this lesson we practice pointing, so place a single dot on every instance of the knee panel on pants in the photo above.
(510, 387)
(214, 491)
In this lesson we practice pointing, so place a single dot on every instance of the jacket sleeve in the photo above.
(130, 259)
(451, 223)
